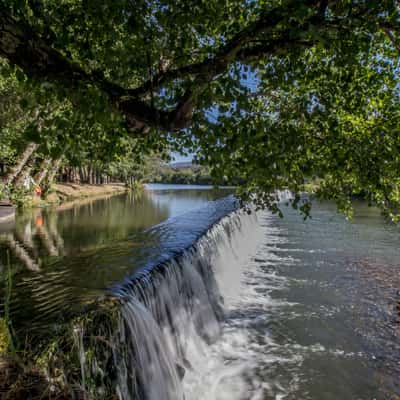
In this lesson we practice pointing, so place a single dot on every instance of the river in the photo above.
(257, 307)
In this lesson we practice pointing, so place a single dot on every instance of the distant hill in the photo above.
(182, 165)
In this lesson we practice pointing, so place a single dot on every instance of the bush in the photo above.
(20, 197)
(4, 191)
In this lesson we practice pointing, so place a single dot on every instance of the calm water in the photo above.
(64, 257)
(311, 312)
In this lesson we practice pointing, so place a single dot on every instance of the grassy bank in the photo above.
(60, 193)
(73, 361)
(63, 192)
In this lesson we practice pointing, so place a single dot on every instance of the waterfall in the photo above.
(172, 311)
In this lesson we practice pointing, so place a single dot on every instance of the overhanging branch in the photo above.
(25, 48)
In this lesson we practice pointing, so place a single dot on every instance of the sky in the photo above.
(176, 157)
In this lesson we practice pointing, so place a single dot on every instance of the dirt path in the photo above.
(63, 192)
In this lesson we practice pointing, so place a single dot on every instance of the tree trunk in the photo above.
(84, 175)
(44, 169)
(90, 176)
(81, 175)
(25, 156)
(72, 175)
(55, 166)
(69, 175)
(86, 169)
(24, 46)
(76, 175)
(24, 173)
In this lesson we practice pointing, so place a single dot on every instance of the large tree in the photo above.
(270, 91)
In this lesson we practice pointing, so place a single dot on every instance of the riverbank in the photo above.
(65, 192)
(7, 213)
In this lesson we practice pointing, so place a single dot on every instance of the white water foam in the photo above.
(173, 318)
(228, 368)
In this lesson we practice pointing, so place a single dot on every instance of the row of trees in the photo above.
(194, 174)
(191, 175)
(95, 173)
(42, 139)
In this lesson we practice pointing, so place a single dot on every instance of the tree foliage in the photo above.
(269, 92)
(162, 172)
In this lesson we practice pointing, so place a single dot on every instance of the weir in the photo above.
(172, 307)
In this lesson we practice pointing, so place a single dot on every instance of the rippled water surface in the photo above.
(64, 257)
(311, 307)
(316, 315)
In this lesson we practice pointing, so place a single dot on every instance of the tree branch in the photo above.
(389, 32)
(218, 63)
(23, 47)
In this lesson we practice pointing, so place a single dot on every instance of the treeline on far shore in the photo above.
(188, 174)
(29, 171)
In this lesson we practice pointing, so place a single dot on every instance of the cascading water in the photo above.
(171, 311)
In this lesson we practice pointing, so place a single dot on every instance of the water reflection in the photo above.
(61, 258)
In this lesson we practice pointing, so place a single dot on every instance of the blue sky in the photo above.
(176, 157)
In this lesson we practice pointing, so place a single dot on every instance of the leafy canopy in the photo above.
(270, 92)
